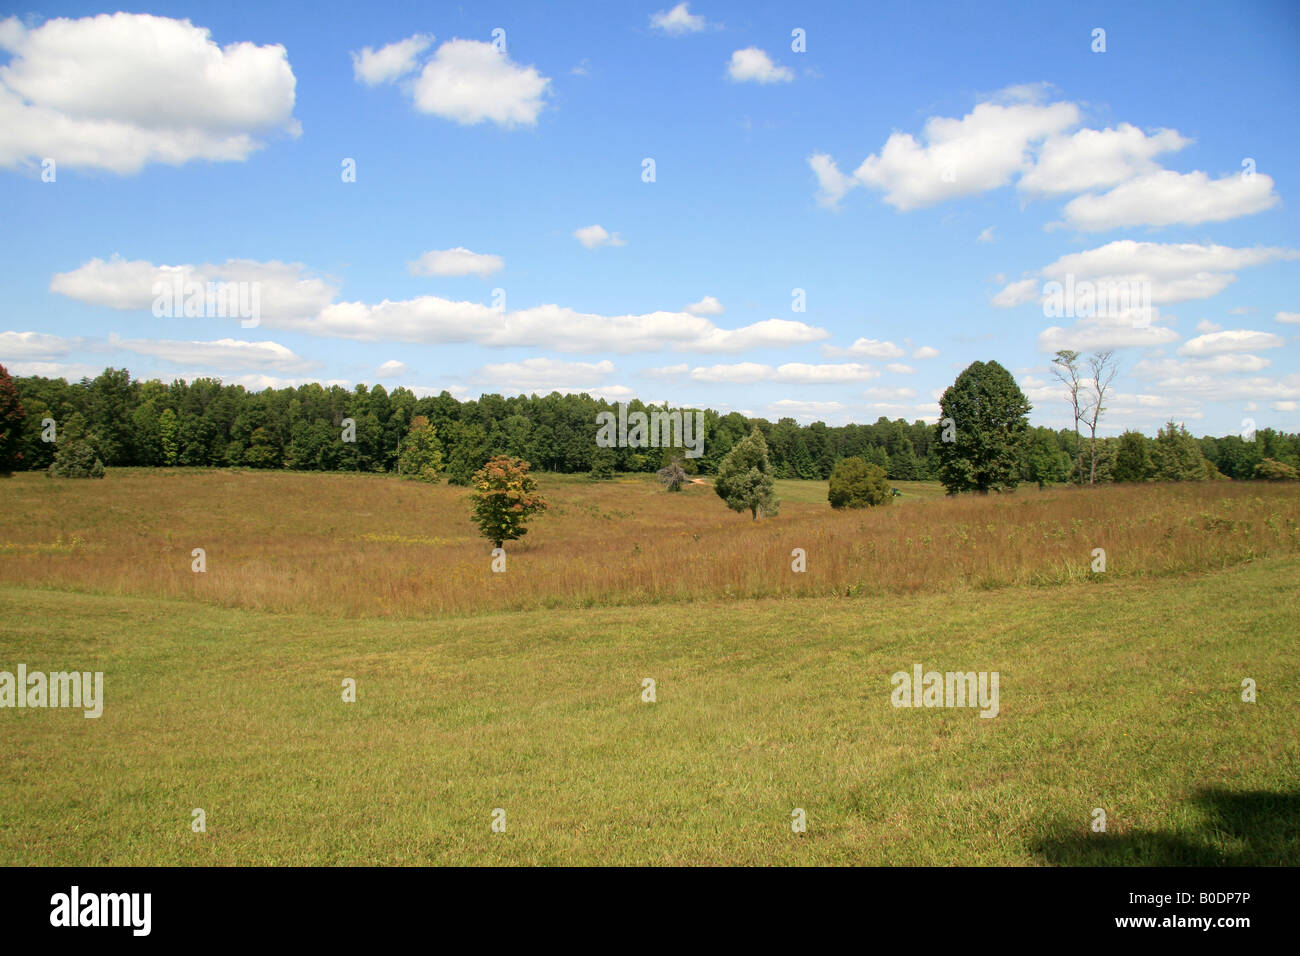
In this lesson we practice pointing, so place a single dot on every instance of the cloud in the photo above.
(595, 236)
(925, 352)
(792, 408)
(985, 236)
(1107, 332)
(73, 372)
(466, 81)
(832, 184)
(390, 62)
(119, 91)
(797, 373)
(1285, 406)
(1171, 272)
(677, 21)
(455, 262)
(1096, 158)
(870, 347)
(1292, 318)
(1014, 135)
(222, 353)
(881, 392)
(1167, 198)
(292, 300)
(752, 65)
(35, 345)
(900, 369)
(706, 306)
(1234, 340)
(667, 371)
(391, 369)
(1205, 325)
(284, 292)
(1167, 368)
(544, 375)
(960, 157)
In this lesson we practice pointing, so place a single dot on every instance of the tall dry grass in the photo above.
(362, 546)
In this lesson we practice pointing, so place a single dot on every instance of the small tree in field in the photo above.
(857, 484)
(744, 480)
(420, 457)
(504, 498)
(11, 424)
(672, 476)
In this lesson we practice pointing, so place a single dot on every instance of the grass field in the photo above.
(1119, 691)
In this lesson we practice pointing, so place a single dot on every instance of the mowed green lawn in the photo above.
(1124, 696)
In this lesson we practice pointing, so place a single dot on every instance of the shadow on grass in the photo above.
(1250, 828)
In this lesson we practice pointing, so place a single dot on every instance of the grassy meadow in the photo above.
(523, 690)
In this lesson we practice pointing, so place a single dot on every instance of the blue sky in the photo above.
(920, 171)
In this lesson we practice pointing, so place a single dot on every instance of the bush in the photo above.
(857, 484)
(76, 459)
(1270, 469)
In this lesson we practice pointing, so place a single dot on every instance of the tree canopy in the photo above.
(983, 430)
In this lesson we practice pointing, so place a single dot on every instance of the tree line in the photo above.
(121, 421)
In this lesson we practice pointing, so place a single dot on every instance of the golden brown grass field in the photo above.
(373, 546)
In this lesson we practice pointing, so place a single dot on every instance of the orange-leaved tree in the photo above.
(504, 498)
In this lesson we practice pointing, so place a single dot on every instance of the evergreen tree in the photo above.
(1176, 456)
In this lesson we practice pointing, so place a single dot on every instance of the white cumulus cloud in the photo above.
(752, 65)
(455, 262)
(118, 91)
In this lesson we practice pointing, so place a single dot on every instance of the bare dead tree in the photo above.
(1065, 366)
(1103, 367)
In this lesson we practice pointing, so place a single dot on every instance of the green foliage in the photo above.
(504, 499)
(420, 457)
(858, 484)
(12, 418)
(206, 423)
(1272, 470)
(168, 430)
(602, 464)
(1045, 462)
(988, 415)
(745, 481)
(76, 456)
(1133, 458)
(1176, 455)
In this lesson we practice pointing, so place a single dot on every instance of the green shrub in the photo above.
(76, 459)
(1271, 469)
(857, 484)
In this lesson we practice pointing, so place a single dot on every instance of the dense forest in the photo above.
(203, 422)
